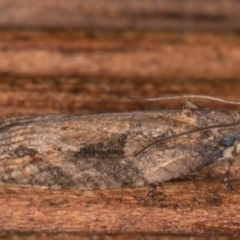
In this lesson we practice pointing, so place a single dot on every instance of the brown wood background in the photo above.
(89, 57)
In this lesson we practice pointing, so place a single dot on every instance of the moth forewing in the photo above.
(113, 150)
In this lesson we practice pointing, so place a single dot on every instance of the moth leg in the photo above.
(228, 156)
(229, 163)
(152, 189)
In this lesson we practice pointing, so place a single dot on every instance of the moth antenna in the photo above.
(166, 139)
(188, 96)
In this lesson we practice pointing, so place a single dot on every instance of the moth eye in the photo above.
(228, 141)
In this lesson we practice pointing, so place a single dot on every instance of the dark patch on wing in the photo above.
(111, 148)
(124, 174)
(52, 175)
(209, 154)
(228, 141)
(106, 157)
(23, 151)
(9, 180)
(83, 163)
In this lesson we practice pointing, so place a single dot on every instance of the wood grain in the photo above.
(217, 15)
(121, 54)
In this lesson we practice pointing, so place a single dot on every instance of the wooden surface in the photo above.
(79, 68)
(85, 236)
(217, 15)
(121, 54)
(45, 72)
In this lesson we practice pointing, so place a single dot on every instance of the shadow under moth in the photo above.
(115, 150)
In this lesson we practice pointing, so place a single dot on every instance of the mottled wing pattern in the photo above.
(88, 152)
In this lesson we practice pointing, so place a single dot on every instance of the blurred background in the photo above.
(89, 56)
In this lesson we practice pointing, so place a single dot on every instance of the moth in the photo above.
(115, 150)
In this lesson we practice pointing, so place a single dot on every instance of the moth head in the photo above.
(231, 141)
